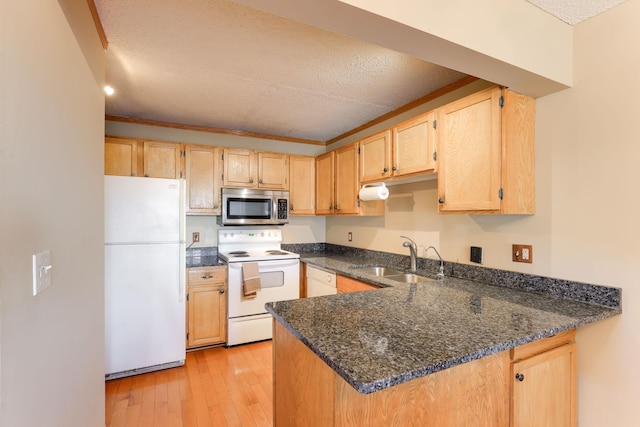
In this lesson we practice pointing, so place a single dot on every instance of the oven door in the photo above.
(279, 280)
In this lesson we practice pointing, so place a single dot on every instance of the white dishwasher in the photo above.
(320, 282)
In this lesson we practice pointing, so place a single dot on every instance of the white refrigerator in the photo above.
(144, 275)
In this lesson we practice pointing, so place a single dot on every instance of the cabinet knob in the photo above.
(215, 206)
(394, 168)
(206, 277)
(440, 200)
(221, 291)
(251, 181)
(146, 175)
(260, 181)
(520, 377)
(291, 207)
(133, 174)
(385, 170)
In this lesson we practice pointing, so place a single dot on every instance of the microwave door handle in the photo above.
(274, 208)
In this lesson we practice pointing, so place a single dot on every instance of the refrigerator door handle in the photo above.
(183, 273)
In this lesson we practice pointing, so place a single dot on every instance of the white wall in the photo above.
(51, 197)
(592, 133)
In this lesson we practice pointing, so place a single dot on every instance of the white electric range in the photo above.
(279, 271)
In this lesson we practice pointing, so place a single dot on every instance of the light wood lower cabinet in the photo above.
(544, 383)
(347, 284)
(484, 392)
(206, 306)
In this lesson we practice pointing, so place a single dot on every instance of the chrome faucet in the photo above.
(441, 270)
(413, 248)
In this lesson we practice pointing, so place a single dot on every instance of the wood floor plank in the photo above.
(133, 415)
(218, 387)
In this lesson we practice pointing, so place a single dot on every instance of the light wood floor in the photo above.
(215, 387)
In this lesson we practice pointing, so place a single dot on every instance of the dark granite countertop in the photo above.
(204, 261)
(380, 338)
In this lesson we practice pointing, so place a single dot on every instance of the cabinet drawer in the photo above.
(206, 275)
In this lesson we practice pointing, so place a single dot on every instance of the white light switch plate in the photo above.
(41, 271)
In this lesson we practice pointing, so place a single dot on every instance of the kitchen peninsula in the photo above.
(443, 352)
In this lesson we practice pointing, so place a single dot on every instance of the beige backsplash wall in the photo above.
(412, 210)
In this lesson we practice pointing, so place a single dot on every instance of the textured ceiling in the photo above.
(223, 65)
(218, 64)
(575, 11)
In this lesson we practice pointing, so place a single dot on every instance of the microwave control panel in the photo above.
(283, 209)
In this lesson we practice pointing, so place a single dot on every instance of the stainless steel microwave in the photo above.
(244, 206)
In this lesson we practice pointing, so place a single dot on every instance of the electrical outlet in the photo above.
(195, 237)
(476, 254)
(522, 253)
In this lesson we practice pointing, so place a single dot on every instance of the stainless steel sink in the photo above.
(398, 276)
(408, 278)
(379, 271)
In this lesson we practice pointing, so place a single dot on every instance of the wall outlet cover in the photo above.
(476, 254)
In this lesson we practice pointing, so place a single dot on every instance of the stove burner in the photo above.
(239, 253)
(277, 252)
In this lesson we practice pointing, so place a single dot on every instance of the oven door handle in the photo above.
(267, 264)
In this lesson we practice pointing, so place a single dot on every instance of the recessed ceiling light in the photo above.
(109, 90)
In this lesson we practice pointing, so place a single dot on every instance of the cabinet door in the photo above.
(469, 153)
(273, 171)
(203, 185)
(325, 183)
(162, 159)
(414, 146)
(120, 156)
(239, 168)
(207, 314)
(544, 389)
(302, 187)
(375, 157)
(347, 284)
(347, 182)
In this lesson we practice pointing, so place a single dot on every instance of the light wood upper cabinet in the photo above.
(406, 150)
(240, 168)
(162, 159)
(544, 386)
(121, 156)
(347, 182)
(375, 157)
(302, 187)
(486, 154)
(206, 306)
(203, 170)
(255, 169)
(273, 171)
(325, 179)
(338, 184)
(414, 146)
